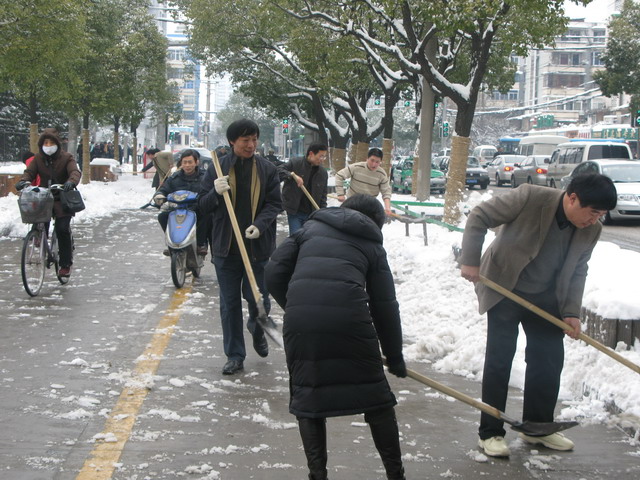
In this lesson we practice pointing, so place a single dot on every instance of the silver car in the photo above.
(501, 168)
(626, 178)
(532, 170)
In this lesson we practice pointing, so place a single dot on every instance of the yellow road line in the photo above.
(101, 462)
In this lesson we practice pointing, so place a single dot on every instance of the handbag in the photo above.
(71, 201)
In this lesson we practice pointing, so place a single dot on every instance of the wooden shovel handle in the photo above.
(556, 321)
(306, 192)
(257, 296)
(488, 409)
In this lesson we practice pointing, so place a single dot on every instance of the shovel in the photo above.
(559, 323)
(306, 192)
(150, 203)
(533, 429)
(265, 321)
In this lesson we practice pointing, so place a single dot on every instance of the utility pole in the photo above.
(427, 112)
(208, 117)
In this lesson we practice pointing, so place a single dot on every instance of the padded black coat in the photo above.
(333, 281)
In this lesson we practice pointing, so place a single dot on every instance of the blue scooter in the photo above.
(181, 236)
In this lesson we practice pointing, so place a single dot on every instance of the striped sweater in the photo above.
(363, 180)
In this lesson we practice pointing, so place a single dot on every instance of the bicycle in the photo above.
(39, 249)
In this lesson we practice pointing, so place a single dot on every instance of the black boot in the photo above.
(313, 432)
(384, 429)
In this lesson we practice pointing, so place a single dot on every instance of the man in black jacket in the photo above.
(188, 177)
(253, 184)
(310, 174)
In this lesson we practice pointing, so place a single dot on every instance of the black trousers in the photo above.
(386, 437)
(62, 227)
(544, 356)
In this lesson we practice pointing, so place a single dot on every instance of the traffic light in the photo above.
(285, 125)
(436, 105)
(638, 118)
(407, 103)
(445, 129)
(171, 136)
(377, 101)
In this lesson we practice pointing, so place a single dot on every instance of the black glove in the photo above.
(397, 367)
(21, 184)
(68, 186)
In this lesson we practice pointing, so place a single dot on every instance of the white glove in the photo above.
(159, 199)
(252, 232)
(221, 184)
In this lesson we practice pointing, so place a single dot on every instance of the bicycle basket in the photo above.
(36, 204)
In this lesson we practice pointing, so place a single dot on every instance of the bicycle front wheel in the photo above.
(33, 262)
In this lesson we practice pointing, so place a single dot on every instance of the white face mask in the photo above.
(50, 150)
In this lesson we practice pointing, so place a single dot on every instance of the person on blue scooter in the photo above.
(188, 177)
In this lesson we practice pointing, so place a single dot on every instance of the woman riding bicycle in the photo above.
(53, 165)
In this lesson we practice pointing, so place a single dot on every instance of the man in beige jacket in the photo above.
(367, 177)
(540, 252)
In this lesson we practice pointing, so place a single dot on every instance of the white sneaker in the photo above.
(494, 447)
(555, 441)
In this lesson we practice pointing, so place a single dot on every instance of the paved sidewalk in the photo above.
(74, 348)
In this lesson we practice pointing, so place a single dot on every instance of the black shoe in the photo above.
(232, 366)
(166, 252)
(260, 344)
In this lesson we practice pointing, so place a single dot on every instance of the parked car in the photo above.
(626, 178)
(475, 175)
(568, 155)
(532, 170)
(501, 168)
(205, 157)
(402, 177)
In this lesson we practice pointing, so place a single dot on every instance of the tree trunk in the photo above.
(116, 139)
(338, 158)
(33, 137)
(456, 178)
(387, 147)
(134, 150)
(361, 153)
(353, 151)
(33, 127)
(74, 133)
(86, 160)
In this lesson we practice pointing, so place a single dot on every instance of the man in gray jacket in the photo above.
(540, 252)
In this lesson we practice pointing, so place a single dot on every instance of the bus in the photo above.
(508, 145)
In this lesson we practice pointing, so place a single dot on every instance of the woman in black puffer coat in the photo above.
(333, 281)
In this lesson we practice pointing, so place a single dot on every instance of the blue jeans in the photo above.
(295, 221)
(233, 286)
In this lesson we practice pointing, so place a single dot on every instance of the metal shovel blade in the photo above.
(270, 329)
(540, 429)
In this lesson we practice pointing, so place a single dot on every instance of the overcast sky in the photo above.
(596, 11)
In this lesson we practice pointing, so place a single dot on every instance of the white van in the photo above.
(540, 144)
(568, 155)
(484, 153)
